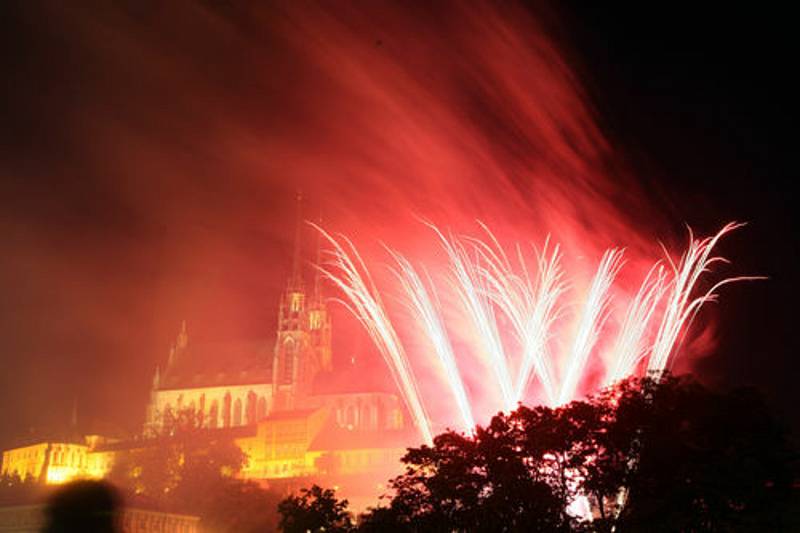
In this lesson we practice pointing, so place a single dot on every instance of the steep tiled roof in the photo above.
(352, 379)
(217, 364)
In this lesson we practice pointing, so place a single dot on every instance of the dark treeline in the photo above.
(646, 455)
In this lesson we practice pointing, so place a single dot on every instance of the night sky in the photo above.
(149, 155)
(703, 101)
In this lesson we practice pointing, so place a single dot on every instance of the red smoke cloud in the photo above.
(175, 136)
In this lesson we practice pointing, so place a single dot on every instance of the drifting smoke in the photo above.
(152, 173)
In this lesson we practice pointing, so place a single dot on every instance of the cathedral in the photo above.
(275, 398)
(242, 383)
(277, 392)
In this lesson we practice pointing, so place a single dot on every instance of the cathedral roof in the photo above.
(351, 379)
(220, 364)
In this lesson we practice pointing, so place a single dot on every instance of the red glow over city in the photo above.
(292, 243)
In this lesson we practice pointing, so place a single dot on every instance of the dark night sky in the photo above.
(704, 101)
(131, 172)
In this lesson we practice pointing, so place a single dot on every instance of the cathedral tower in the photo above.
(302, 347)
(319, 319)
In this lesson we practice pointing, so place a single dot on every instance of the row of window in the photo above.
(232, 411)
(69, 458)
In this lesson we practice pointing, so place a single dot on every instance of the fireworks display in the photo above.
(520, 312)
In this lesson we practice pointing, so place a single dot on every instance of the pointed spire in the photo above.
(318, 259)
(183, 337)
(171, 360)
(296, 281)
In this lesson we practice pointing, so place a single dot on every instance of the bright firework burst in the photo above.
(530, 305)
(427, 310)
(631, 345)
(593, 317)
(471, 287)
(488, 283)
(681, 308)
(349, 273)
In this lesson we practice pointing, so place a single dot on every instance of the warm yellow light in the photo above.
(57, 476)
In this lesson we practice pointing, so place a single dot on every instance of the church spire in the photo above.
(183, 337)
(318, 262)
(296, 281)
(180, 345)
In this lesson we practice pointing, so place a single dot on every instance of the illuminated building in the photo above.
(58, 461)
(244, 383)
(276, 398)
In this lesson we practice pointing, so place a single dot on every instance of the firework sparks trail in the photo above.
(631, 345)
(471, 288)
(426, 308)
(488, 282)
(353, 279)
(595, 312)
(529, 304)
(681, 308)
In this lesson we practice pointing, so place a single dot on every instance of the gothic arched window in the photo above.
(373, 416)
(201, 408)
(261, 411)
(250, 412)
(237, 412)
(226, 410)
(212, 414)
(287, 361)
(363, 415)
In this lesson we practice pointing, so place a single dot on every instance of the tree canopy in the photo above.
(188, 469)
(648, 454)
(315, 509)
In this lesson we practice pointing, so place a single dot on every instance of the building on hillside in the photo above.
(58, 461)
(281, 389)
(242, 383)
(277, 398)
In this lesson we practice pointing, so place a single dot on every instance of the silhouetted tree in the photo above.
(648, 454)
(182, 456)
(696, 460)
(478, 483)
(315, 509)
(189, 469)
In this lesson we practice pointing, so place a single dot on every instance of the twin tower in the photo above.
(303, 344)
(239, 383)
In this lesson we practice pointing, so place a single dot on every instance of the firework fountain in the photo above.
(488, 285)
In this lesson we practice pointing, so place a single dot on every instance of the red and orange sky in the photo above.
(149, 155)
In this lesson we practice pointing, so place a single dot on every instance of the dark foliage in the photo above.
(191, 470)
(649, 454)
(315, 509)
